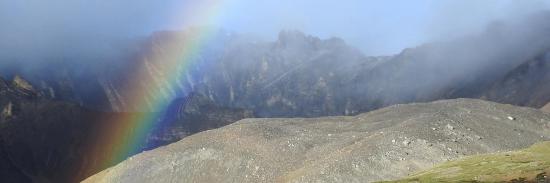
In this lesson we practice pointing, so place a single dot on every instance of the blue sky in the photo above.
(376, 27)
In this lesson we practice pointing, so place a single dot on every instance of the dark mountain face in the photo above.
(42, 140)
(524, 85)
(471, 67)
(190, 115)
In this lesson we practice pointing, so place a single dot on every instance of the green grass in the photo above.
(528, 165)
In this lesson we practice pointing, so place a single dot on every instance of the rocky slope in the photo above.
(546, 108)
(384, 144)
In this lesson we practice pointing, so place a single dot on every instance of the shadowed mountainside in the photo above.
(53, 141)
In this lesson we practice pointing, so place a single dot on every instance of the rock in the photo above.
(450, 127)
(7, 112)
(23, 84)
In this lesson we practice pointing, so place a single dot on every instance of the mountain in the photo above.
(384, 144)
(524, 84)
(505, 63)
(44, 140)
(235, 76)
(526, 165)
(301, 75)
(298, 75)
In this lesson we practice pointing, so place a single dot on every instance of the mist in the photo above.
(34, 30)
(458, 38)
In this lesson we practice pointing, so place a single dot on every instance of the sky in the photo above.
(376, 27)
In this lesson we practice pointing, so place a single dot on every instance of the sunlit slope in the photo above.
(531, 164)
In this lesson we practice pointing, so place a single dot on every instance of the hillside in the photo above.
(385, 144)
(531, 164)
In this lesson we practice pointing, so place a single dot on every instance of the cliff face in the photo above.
(524, 85)
(380, 145)
(43, 140)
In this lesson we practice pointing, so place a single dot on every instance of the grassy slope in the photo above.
(528, 164)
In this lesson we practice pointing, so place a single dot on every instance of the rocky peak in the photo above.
(293, 38)
(291, 34)
(336, 42)
(22, 84)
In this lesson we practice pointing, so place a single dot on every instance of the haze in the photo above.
(375, 27)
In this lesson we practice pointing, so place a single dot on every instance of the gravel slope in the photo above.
(385, 144)
(546, 108)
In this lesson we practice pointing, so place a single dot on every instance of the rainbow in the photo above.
(123, 135)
